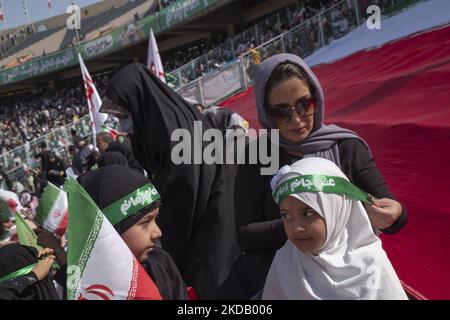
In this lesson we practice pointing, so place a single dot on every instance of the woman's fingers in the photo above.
(383, 213)
(45, 251)
(42, 268)
(383, 202)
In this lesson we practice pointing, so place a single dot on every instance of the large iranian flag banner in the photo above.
(52, 212)
(100, 265)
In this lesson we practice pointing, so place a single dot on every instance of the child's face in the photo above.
(304, 227)
(141, 237)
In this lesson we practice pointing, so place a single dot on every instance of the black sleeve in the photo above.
(7, 180)
(359, 166)
(163, 271)
(255, 232)
(61, 276)
(13, 288)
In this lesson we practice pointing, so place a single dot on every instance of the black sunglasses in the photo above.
(281, 113)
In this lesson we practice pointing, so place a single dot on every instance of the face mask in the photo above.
(126, 125)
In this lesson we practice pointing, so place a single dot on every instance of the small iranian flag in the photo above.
(27, 237)
(100, 265)
(52, 212)
(2, 18)
(111, 131)
(93, 99)
(154, 63)
(9, 203)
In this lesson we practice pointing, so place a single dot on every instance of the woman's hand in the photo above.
(47, 239)
(383, 212)
(42, 268)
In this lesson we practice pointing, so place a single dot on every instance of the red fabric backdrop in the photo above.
(397, 97)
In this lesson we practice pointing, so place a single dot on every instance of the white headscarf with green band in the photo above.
(351, 264)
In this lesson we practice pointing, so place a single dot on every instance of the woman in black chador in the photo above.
(197, 218)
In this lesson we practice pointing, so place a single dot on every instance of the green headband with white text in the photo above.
(319, 183)
(131, 203)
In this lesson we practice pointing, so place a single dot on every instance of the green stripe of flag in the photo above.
(85, 221)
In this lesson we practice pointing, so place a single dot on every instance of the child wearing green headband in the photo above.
(332, 251)
(131, 204)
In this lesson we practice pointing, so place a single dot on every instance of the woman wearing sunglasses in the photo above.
(289, 98)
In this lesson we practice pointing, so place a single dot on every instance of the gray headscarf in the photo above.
(322, 141)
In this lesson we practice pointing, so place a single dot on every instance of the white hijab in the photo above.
(350, 265)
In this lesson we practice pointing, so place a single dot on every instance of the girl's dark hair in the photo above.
(287, 71)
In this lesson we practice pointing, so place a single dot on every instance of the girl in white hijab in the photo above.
(332, 251)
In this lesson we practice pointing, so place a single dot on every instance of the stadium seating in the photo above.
(123, 15)
(30, 41)
(91, 25)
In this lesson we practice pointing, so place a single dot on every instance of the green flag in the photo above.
(27, 237)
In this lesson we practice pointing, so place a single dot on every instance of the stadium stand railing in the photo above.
(236, 75)
(331, 24)
(58, 140)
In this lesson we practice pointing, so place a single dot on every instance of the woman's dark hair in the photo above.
(287, 71)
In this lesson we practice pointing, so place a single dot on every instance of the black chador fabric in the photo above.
(14, 257)
(111, 183)
(162, 269)
(125, 149)
(219, 118)
(112, 158)
(197, 217)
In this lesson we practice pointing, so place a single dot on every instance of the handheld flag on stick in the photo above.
(52, 213)
(27, 237)
(100, 264)
(111, 131)
(9, 203)
(154, 63)
(93, 99)
(2, 17)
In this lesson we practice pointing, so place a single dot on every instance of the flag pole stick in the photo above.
(3, 13)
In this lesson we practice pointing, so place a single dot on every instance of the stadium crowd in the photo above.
(220, 49)
(29, 116)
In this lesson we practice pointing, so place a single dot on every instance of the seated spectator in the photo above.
(331, 243)
(24, 276)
